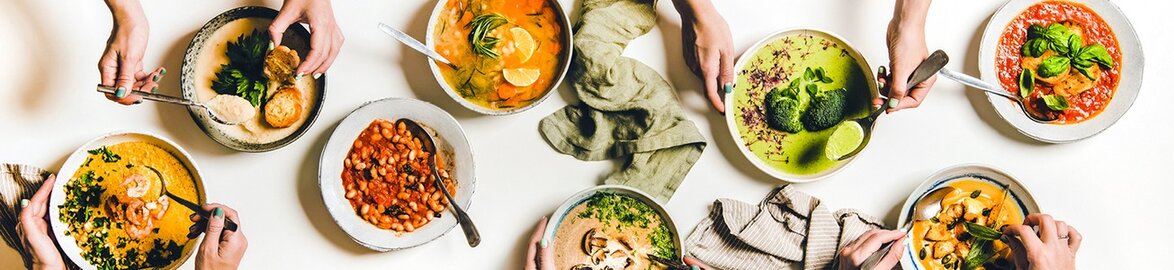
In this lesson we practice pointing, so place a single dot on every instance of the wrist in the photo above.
(126, 11)
(694, 10)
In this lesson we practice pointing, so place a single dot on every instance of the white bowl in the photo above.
(1022, 197)
(1132, 67)
(450, 140)
(67, 243)
(581, 197)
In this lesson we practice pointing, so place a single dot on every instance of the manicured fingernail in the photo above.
(299, 77)
(154, 89)
(694, 267)
(120, 92)
(542, 244)
(24, 203)
(218, 212)
(317, 75)
(271, 45)
(162, 71)
(729, 88)
(894, 102)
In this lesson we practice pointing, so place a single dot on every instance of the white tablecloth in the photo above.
(1115, 187)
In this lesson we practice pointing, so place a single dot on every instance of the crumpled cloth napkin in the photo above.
(17, 182)
(787, 227)
(628, 111)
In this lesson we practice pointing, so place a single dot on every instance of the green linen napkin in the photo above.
(628, 110)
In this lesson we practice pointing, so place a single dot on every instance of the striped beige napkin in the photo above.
(787, 227)
(17, 182)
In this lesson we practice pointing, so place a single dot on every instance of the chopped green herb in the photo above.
(107, 156)
(244, 73)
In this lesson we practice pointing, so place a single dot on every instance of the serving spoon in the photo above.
(998, 91)
(414, 44)
(924, 70)
(228, 223)
(926, 208)
(170, 99)
(426, 144)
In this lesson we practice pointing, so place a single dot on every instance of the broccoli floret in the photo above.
(783, 111)
(826, 110)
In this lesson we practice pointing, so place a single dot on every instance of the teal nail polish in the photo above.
(156, 78)
(299, 77)
(317, 75)
(729, 88)
(271, 45)
(694, 267)
(542, 244)
(24, 203)
(218, 212)
(163, 71)
(894, 102)
(154, 89)
(120, 92)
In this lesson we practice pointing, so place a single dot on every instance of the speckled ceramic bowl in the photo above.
(296, 37)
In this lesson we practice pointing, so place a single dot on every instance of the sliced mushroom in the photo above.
(581, 266)
(587, 241)
(599, 256)
(626, 240)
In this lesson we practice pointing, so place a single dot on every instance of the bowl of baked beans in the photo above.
(377, 182)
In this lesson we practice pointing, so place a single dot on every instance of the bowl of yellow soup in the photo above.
(507, 56)
(107, 208)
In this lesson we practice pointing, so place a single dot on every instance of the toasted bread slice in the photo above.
(1076, 83)
(284, 107)
(280, 65)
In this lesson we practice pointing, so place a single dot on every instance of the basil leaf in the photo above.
(982, 232)
(979, 253)
(1060, 47)
(808, 74)
(1053, 66)
(1057, 33)
(1098, 54)
(1074, 45)
(1056, 102)
(1086, 71)
(1035, 47)
(812, 89)
(1026, 83)
(1036, 31)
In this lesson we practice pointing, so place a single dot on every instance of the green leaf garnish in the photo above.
(1053, 66)
(480, 27)
(982, 232)
(244, 73)
(1056, 102)
(1026, 83)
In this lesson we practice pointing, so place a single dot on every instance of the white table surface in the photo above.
(1115, 187)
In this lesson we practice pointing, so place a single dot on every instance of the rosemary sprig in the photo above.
(480, 27)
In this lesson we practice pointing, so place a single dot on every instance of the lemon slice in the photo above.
(524, 43)
(520, 77)
(847, 136)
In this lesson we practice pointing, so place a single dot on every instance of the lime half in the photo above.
(847, 136)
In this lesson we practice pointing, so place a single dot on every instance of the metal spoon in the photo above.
(926, 208)
(170, 99)
(998, 91)
(228, 223)
(414, 44)
(924, 70)
(426, 144)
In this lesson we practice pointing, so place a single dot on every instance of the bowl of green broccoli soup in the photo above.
(793, 89)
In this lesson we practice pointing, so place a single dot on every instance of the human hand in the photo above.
(121, 65)
(696, 264)
(906, 41)
(221, 249)
(34, 229)
(708, 48)
(1054, 248)
(325, 38)
(854, 254)
(540, 256)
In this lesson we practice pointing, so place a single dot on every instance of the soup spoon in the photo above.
(173, 100)
(414, 44)
(926, 208)
(924, 70)
(228, 223)
(426, 144)
(998, 91)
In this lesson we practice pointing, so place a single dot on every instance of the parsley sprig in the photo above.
(244, 74)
